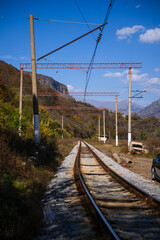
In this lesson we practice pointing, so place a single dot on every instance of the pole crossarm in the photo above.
(137, 93)
(81, 114)
(80, 66)
(73, 108)
(45, 94)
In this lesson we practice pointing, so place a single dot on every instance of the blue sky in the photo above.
(132, 35)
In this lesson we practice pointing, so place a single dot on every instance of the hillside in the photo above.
(11, 75)
(152, 110)
(76, 123)
(25, 169)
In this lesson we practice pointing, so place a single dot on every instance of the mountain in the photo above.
(50, 82)
(11, 75)
(122, 105)
(152, 110)
(9, 92)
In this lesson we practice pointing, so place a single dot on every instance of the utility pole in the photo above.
(116, 121)
(20, 101)
(99, 131)
(62, 126)
(34, 85)
(104, 130)
(129, 109)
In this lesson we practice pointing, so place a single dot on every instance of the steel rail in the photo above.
(98, 211)
(148, 197)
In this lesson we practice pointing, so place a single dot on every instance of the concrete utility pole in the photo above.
(129, 109)
(20, 101)
(104, 127)
(116, 121)
(62, 126)
(34, 84)
(99, 130)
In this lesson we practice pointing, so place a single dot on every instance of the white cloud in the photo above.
(113, 74)
(9, 57)
(70, 87)
(135, 71)
(156, 69)
(79, 90)
(126, 32)
(156, 91)
(24, 58)
(150, 83)
(136, 77)
(138, 6)
(153, 80)
(122, 74)
(150, 36)
(139, 78)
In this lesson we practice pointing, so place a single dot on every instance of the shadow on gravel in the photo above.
(67, 222)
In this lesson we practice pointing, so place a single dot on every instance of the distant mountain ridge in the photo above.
(152, 110)
(122, 105)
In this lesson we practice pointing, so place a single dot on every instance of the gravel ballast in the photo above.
(132, 177)
(64, 214)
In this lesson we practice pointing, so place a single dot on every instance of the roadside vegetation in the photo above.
(25, 169)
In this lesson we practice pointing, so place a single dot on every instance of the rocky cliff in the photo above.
(10, 75)
(152, 110)
(50, 82)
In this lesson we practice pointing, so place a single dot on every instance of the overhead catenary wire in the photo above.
(84, 18)
(88, 74)
(151, 88)
(71, 42)
(149, 92)
(60, 21)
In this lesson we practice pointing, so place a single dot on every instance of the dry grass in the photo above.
(23, 183)
(65, 146)
(153, 146)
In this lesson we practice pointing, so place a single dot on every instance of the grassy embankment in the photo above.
(25, 169)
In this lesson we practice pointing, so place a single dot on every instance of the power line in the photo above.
(72, 41)
(83, 17)
(137, 92)
(88, 74)
(50, 20)
(153, 87)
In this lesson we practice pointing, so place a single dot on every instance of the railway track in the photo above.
(123, 210)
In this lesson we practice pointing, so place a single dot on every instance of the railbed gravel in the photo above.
(65, 218)
(139, 181)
